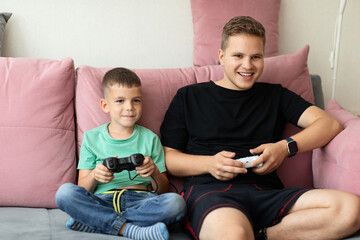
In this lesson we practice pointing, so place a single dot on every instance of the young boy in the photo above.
(124, 203)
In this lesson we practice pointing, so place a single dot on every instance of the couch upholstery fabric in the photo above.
(37, 131)
(337, 165)
(209, 17)
(160, 85)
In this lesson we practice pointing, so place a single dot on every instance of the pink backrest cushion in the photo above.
(290, 71)
(37, 132)
(209, 17)
(158, 87)
(337, 164)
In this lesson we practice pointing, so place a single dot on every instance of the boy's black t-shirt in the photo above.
(204, 119)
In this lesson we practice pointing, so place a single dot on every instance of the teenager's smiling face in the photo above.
(243, 61)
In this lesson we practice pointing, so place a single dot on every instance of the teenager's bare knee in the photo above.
(345, 208)
(235, 232)
(349, 212)
(233, 225)
(339, 210)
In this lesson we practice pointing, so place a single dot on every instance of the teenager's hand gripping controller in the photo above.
(127, 163)
(249, 160)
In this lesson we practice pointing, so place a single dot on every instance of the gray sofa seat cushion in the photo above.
(44, 224)
(40, 224)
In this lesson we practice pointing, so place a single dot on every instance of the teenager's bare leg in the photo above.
(226, 223)
(320, 214)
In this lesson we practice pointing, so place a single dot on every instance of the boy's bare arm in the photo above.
(159, 181)
(162, 183)
(88, 178)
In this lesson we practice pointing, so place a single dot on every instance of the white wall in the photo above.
(159, 34)
(313, 22)
(130, 33)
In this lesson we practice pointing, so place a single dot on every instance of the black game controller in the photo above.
(127, 163)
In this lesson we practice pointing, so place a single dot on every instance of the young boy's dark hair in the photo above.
(121, 76)
(242, 25)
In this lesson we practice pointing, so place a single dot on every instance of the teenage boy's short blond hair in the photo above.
(242, 25)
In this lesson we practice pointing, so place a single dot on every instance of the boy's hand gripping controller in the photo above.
(127, 163)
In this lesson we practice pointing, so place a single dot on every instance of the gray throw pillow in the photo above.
(4, 17)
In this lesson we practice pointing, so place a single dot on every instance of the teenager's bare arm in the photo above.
(319, 129)
(221, 165)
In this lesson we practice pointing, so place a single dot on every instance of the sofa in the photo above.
(46, 106)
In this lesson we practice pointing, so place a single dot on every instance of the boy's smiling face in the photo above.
(243, 61)
(124, 105)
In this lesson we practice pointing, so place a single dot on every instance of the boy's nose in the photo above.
(129, 106)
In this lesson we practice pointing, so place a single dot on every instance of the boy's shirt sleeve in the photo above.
(158, 155)
(87, 159)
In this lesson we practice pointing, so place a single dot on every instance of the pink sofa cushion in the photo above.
(37, 132)
(158, 86)
(209, 17)
(290, 71)
(337, 165)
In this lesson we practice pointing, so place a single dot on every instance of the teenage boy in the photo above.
(131, 204)
(208, 125)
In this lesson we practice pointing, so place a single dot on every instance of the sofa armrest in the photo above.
(337, 164)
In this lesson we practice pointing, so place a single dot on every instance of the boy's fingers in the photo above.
(105, 170)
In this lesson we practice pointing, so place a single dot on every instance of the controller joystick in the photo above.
(127, 163)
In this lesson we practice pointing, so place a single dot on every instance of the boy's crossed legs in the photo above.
(142, 214)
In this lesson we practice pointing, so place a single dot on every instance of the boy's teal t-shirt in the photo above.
(97, 145)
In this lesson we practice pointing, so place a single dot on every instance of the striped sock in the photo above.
(154, 232)
(77, 226)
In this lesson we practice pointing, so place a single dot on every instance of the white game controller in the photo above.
(249, 160)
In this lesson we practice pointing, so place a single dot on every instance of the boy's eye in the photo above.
(137, 100)
(119, 101)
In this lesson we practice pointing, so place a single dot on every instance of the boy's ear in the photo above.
(104, 106)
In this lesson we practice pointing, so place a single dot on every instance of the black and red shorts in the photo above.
(263, 206)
